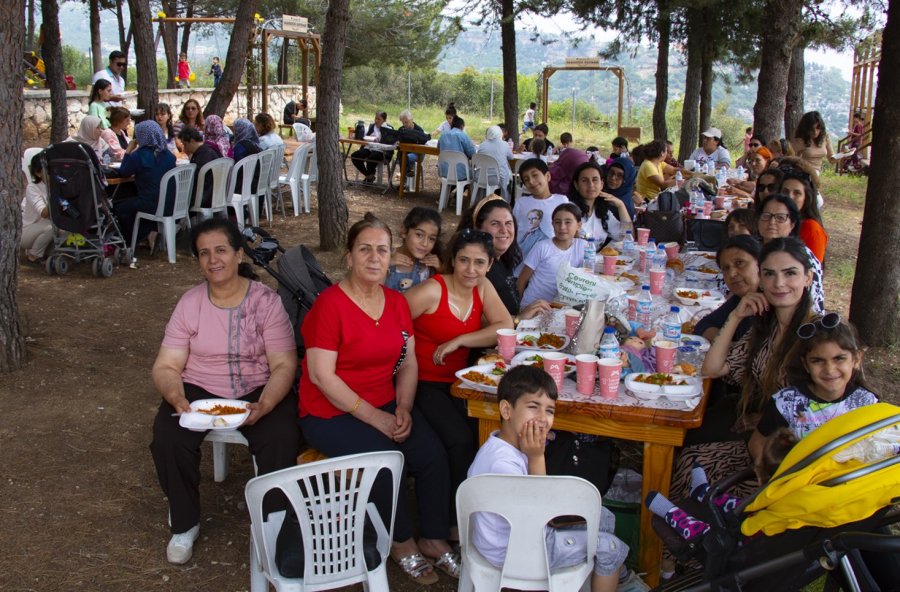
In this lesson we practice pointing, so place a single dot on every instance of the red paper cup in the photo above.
(506, 344)
(586, 373)
(707, 208)
(672, 251)
(665, 355)
(609, 264)
(572, 318)
(719, 201)
(555, 366)
(643, 236)
(657, 279)
(610, 371)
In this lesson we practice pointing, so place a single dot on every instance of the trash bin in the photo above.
(624, 500)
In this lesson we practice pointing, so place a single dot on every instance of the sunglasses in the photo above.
(779, 218)
(121, 64)
(755, 145)
(826, 322)
(769, 187)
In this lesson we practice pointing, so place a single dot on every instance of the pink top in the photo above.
(227, 346)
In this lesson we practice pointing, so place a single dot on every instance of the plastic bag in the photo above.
(576, 286)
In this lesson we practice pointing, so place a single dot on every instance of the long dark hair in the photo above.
(810, 209)
(475, 217)
(600, 208)
(466, 237)
(235, 240)
(98, 86)
(419, 215)
(844, 335)
(806, 128)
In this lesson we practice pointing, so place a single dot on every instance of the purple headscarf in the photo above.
(149, 135)
(214, 134)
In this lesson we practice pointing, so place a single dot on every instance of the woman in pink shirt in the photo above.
(228, 338)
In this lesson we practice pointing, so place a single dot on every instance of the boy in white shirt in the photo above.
(527, 398)
(535, 177)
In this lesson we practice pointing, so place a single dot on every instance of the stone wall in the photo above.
(36, 124)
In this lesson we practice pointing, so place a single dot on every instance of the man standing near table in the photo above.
(115, 73)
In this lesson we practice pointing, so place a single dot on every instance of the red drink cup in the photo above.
(506, 343)
(672, 251)
(572, 318)
(609, 264)
(586, 373)
(555, 366)
(665, 355)
(643, 236)
(657, 279)
(720, 202)
(610, 371)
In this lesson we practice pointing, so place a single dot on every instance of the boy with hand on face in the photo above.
(527, 399)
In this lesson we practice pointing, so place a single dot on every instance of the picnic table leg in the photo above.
(402, 187)
(657, 476)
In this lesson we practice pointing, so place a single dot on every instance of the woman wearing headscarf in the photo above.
(147, 158)
(562, 169)
(215, 136)
(246, 142)
(494, 145)
(89, 133)
(620, 177)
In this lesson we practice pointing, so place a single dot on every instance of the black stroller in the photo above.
(79, 207)
(818, 515)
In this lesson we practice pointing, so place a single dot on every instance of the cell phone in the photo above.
(568, 522)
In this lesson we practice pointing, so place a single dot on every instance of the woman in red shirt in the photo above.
(357, 392)
(453, 312)
(797, 184)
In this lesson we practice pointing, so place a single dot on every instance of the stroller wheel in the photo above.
(95, 267)
(106, 267)
(123, 255)
(61, 265)
(49, 265)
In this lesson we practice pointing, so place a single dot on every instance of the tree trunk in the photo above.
(333, 214)
(793, 108)
(875, 300)
(690, 132)
(29, 24)
(12, 39)
(706, 85)
(124, 40)
(170, 43)
(186, 29)
(510, 72)
(779, 36)
(94, 25)
(244, 27)
(664, 30)
(145, 55)
(56, 81)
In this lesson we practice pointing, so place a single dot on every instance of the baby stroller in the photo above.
(78, 206)
(816, 516)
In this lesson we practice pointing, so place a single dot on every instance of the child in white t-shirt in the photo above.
(528, 119)
(535, 177)
(537, 279)
(527, 399)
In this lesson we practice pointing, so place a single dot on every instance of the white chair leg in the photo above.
(169, 230)
(253, 204)
(445, 195)
(134, 234)
(295, 195)
(377, 581)
(258, 582)
(304, 180)
(460, 192)
(220, 461)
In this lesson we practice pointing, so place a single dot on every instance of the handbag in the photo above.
(592, 458)
(664, 226)
(708, 235)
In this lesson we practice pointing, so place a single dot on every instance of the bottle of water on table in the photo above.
(671, 325)
(590, 254)
(644, 308)
(609, 344)
(679, 179)
(628, 244)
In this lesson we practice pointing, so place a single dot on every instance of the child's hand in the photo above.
(533, 438)
(432, 260)
(399, 259)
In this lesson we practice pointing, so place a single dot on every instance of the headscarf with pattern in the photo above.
(149, 135)
(214, 134)
(245, 130)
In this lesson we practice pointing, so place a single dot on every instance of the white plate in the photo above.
(704, 343)
(203, 421)
(522, 358)
(481, 369)
(701, 275)
(706, 298)
(115, 165)
(520, 345)
(137, 112)
(673, 392)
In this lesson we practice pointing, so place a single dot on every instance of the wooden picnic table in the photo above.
(660, 431)
(405, 149)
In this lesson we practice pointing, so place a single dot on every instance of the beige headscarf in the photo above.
(89, 128)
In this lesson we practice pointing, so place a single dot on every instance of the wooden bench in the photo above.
(285, 126)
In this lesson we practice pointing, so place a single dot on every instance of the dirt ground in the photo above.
(82, 509)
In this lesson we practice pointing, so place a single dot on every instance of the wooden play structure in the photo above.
(866, 58)
(633, 134)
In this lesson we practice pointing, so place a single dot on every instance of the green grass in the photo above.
(847, 188)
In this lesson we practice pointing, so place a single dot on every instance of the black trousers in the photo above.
(366, 161)
(274, 443)
(424, 459)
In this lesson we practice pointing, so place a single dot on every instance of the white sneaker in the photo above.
(181, 546)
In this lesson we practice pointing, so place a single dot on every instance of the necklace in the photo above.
(373, 307)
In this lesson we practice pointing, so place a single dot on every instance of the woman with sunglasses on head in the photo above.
(453, 312)
(757, 164)
(799, 186)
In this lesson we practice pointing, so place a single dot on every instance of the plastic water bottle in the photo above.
(590, 254)
(881, 445)
(721, 177)
(679, 179)
(644, 308)
(106, 158)
(659, 258)
(628, 244)
(646, 256)
(740, 173)
(671, 325)
(609, 344)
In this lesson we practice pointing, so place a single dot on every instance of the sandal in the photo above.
(449, 563)
(415, 566)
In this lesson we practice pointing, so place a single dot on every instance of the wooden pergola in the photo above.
(551, 70)
(866, 58)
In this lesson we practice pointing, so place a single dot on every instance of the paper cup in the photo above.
(690, 164)
(672, 251)
(572, 318)
(665, 355)
(506, 344)
(555, 366)
(609, 264)
(657, 280)
(610, 371)
(643, 236)
(586, 373)
(719, 201)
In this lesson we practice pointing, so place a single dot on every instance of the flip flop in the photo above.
(449, 563)
(415, 567)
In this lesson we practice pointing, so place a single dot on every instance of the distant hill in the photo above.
(826, 90)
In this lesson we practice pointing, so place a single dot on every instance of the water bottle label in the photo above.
(672, 332)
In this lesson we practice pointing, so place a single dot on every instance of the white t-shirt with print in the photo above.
(545, 259)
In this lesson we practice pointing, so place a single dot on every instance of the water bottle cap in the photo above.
(609, 330)
(645, 287)
(674, 309)
(628, 232)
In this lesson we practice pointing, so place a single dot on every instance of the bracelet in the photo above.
(356, 405)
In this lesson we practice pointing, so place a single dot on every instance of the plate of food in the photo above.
(698, 341)
(483, 377)
(215, 414)
(653, 385)
(137, 112)
(541, 340)
(690, 296)
(703, 272)
(532, 357)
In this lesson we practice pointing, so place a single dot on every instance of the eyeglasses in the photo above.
(828, 321)
(121, 64)
(755, 145)
(614, 175)
(769, 187)
(779, 218)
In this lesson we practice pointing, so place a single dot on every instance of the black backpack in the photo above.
(360, 132)
(413, 136)
(303, 281)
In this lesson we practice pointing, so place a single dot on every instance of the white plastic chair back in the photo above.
(330, 499)
(487, 175)
(296, 169)
(183, 176)
(219, 168)
(27, 156)
(312, 176)
(516, 180)
(536, 501)
(452, 158)
(303, 132)
(263, 190)
(243, 196)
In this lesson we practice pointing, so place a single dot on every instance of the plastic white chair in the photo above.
(183, 176)
(220, 439)
(537, 500)
(274, 174)
(452, 158)
(266, 160)
(330, 499)
(487, 175)
(293, 177)
(516, 180)
(243, 196)
(219, 168)
(311, 176)
(27, 156)
(302, 132)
